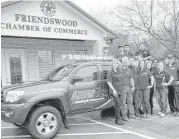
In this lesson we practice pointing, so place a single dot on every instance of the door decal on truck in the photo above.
(86, 96)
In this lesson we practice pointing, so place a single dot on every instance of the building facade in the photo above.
(37, 36)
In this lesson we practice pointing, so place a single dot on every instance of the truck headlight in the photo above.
(13, 96)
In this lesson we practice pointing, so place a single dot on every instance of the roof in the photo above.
(90, 17)
(7, 3)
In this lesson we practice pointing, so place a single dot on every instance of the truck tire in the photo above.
(45, 123)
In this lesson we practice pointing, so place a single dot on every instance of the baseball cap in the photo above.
(119, 46)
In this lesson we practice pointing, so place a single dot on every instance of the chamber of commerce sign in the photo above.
(47, 19)
(34, 23)
(61, 25)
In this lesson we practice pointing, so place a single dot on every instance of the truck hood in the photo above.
(23, 85)
(36, 88)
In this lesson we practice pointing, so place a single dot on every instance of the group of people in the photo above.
(134, 80)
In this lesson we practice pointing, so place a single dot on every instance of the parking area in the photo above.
(80, 128)
(100, 125)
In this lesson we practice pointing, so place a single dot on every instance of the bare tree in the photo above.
(159, 20)
(102, 14)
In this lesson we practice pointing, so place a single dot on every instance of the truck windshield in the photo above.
(59, 73)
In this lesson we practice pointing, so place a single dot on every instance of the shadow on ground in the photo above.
(110, 112)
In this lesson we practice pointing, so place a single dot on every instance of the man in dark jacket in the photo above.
(144, 52)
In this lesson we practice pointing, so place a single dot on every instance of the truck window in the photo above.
(88, 73)
(59, 73)
(105, 69)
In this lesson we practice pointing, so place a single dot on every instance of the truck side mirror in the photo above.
(76, 79)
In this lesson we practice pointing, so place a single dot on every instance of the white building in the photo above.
(35, 35)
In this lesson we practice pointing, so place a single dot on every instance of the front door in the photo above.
(15, 66)
(86, 94)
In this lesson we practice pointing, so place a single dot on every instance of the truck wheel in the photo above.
(45, 122)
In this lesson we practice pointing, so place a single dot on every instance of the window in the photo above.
(16, 69)
(88, 73)
(45, 62)
(105, 69)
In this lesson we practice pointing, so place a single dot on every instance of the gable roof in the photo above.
(70, 3)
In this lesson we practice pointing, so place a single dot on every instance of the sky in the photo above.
(91, 5)
(100, 9)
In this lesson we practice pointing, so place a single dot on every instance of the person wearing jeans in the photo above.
(113, 81)
(177, 99)
(151, 70)
(127, 89)
(144, 86)
(163, 80)
(136, 97)
(173, 68)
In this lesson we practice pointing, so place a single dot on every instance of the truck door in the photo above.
(105, 68)
(86, 94)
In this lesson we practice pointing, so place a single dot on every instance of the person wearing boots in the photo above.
(113, 81)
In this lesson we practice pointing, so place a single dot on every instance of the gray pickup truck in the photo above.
(43, 106)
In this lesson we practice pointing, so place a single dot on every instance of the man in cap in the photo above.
(120, 53)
